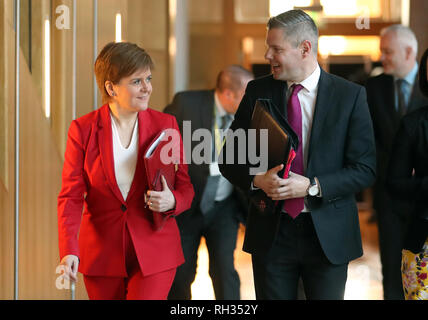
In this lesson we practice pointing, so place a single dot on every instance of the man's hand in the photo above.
(276, 188)
(269, 182)
(295, 186)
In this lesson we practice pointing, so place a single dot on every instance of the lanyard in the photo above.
(217, 135)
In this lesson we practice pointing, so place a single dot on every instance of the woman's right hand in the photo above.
(71, 264)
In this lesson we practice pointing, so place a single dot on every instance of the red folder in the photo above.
(157, 165)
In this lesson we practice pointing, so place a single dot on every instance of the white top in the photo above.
(125, 159)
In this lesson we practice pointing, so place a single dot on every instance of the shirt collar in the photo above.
(311, 82)
(411, 76)
(220, 112)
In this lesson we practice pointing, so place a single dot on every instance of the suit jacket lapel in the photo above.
(206, 110)
(106, 150)
(416, 98)
(324, 101)
(279, 96)
(390, 104)
(145, 132)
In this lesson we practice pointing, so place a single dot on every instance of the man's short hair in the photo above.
(233, 77)
(118, 60)
(298, 26)
(404, 34)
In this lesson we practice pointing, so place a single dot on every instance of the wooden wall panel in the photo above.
(147, 26)
(7, 127)
(85, 66)
(43, 140)
(40, 172)
(419, 24)
(61, 76)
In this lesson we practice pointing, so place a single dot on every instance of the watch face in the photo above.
(313, 190)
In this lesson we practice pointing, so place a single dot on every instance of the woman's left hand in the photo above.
(161, 201)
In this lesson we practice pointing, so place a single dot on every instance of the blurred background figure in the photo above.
(408, 179)
(391, 95)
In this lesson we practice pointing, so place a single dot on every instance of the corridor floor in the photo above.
(364, 274)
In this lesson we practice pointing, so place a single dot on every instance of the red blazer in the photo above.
(89, 182)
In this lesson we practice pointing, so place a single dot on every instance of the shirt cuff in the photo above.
(319, 195)
(253, 188)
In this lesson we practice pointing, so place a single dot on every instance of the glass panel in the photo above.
(40, 11)
(350, 45)
(279, 6)
(352, 8)
(259, 11)
(206, 10)
(251, 11)
(7, 92)
(25, 30)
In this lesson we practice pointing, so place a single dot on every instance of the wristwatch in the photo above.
(313, 189)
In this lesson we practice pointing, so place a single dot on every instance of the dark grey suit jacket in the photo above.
(341, 154)
(410, 153)
(386, 120)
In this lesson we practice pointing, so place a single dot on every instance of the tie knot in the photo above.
(400, 83)
(224, 121)
(295, 88)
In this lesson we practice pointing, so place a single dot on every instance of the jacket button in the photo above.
(123, 207)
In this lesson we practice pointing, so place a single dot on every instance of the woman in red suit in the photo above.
(114, 244)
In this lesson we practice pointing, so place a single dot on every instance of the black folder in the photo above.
(282, 145)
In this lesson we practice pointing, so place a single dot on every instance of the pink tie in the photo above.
(294, 206)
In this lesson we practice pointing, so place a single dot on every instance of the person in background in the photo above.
(407, 178)
(313, 231)
(113, 244)
(391, 95)
(218, 207)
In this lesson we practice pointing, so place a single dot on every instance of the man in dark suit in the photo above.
(218, 207)
(313, 231)
(391, 95)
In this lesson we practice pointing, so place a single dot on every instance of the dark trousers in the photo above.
(297, 254)
(391, 240)
(220, 229)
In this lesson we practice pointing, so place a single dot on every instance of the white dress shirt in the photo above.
(409, 82)
(307, 97)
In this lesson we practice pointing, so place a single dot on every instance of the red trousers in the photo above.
(134, 287)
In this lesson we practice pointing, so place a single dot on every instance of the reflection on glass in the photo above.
(279, 6)
(47, 68)
(351, 8)
(349, 45)
(118, 37)
(25, 30)
(205, 11)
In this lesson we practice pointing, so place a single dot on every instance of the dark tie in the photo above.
(210, 191)
(294, 206)
(401, 102)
